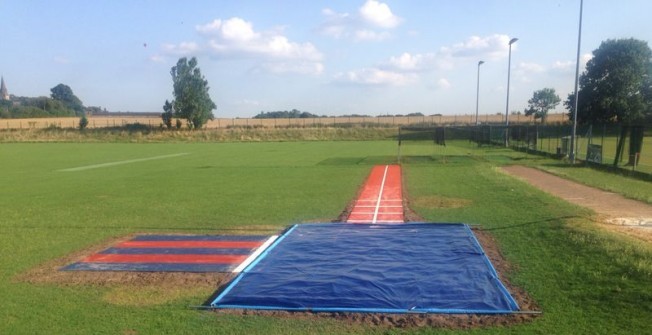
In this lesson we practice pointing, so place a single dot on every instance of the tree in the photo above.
(616, 88)
(541, 103)
(168, 114)
(191, 99)
(64, 94)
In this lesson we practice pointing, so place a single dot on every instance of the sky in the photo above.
(373, 57)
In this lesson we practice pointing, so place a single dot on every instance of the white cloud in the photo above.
(524, 71)
(443, 84)
(568, 67)
(492, 47)
(371, 23)
(236, 37)
(379, 14)
(375, 77)
(370, 35)
(336, 24)
(585, 58)
(407, 68)
(563, 66)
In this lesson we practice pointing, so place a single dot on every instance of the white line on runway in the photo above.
(97, 166)
(380, 195)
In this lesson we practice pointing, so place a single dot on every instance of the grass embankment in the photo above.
(144, 134)
(585, 281)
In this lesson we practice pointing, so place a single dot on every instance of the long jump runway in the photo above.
(381, 198)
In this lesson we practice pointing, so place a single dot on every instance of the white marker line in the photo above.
(380, 194)
(256, 253)
(96, 166)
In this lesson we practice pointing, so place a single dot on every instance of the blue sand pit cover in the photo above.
(400, 268)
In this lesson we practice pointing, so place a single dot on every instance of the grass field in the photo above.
(585, 280)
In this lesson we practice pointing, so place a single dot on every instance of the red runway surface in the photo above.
(163, 258)
(381, 199)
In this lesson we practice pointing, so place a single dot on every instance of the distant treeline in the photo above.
(28, 107)
(293, 114)
(297, 114)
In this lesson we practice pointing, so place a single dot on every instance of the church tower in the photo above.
(4, 94)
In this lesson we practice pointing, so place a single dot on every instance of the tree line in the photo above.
(61, 103)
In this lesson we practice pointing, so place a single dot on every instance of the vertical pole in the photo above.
(577, 95)
(477, 95)
(509, 71)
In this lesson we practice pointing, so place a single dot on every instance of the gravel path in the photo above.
(615, 208)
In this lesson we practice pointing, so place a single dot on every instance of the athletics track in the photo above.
(381, 198)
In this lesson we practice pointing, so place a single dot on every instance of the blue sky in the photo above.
(326, 57)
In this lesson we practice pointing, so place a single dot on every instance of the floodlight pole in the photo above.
(577, 93)
(509, 71)
(477, 94)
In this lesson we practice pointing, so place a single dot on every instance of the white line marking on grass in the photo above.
(97, 166)
(256, 253)
(380, 194)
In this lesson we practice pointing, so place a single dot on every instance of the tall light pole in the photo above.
(577, 95)
(477, 94)
(509, 71)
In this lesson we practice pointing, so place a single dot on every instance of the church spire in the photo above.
(4, 94)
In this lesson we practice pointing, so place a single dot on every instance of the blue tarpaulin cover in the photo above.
(394, 268)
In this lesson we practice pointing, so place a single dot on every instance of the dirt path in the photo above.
(633, 217)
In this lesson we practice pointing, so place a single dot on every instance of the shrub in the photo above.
(83, 122)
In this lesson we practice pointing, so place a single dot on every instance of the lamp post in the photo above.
(509, 71)
(577, 95)
(477, 94)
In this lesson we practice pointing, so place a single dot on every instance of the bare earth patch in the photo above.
(614, 212)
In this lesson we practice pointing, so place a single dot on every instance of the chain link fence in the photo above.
(619, 146)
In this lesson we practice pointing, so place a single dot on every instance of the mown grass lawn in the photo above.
(586, 281)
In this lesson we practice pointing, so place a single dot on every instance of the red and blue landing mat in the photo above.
(384, 268)
(176, 253)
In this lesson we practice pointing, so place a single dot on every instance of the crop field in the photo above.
(59, 198)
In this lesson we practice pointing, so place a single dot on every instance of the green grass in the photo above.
(585, 280)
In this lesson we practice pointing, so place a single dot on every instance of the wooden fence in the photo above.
(155, 122)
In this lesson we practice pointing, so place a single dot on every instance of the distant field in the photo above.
(103, 122)
(60, 198)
